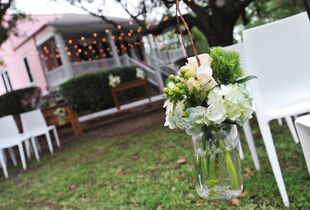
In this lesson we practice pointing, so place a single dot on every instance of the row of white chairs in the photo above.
(34, 125)
(278, 54)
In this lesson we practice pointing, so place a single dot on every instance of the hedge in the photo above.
(91, 92)
(19, 101)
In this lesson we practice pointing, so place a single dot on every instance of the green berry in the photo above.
(166, 90)
(188, 75)
(183, 71)
(176, 89)
(171, 77)
(184, 114)
(179, 85)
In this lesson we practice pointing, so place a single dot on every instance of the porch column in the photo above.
(65, 60)
(149, 39)
(114, 50)
(155, 41)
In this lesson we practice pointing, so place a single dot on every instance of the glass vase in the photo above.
(61, 119)
(217, 162)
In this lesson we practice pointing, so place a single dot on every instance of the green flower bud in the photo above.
(176, 89)
(184, 114)
(188, 75)
(179, 85)
(171, 77)
(183, 71)
(166, 90)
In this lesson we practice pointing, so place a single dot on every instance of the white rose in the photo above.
(204, 59)
(190, 68)
(192, 83)
(204, 76)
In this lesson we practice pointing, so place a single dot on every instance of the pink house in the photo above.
(51, 49)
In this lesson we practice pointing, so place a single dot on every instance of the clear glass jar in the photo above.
(217, 162)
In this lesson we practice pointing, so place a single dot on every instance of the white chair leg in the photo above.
(304, 136)
(273, 158)
(251, 145)
(56, 137)
(38, 144)
(241, 154)
(35, 149)
(12, 156)
(27, 146)
(22, 155)
(280, 121)
(291, 126)
(49, 142)
(3, 164)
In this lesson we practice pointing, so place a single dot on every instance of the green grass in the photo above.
(140, 171)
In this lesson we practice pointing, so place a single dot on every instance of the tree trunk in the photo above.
(223, 37)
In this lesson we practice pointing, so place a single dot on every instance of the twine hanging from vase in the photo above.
(178, 12)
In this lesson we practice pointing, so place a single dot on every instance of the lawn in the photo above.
(140, 171)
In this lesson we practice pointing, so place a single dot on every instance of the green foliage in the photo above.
(91, 92)
(225, 65)
(140, 171)
(200, 40)
(262, 12)
(18, 101)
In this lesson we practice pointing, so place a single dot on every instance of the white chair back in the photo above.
(239, 48)
(279, 55)
(8, 128)
(33, 120)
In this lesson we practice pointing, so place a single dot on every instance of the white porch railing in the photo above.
(154, 76)
(58, 76)
(170, 56)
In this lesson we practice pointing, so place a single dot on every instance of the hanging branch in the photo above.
(178, 12)
(179, 28)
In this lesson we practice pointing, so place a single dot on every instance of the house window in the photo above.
(28, 70)
(6, 81)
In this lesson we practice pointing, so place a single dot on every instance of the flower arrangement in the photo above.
(114, 80)
(206, 95)
(207, 98)
(61, 114)
(140, 73)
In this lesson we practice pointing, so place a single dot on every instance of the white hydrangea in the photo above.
(231, 101)
(196, 119)
(174, 112)
(114, 80)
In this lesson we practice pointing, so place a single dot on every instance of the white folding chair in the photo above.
(278, 54)
(10, 137)
(35, 125)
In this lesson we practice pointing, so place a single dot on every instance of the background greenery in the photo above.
(91, 92)
(140, 171)
(11, 103)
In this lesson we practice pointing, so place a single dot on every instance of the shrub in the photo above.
(19, 101)
(91, 92)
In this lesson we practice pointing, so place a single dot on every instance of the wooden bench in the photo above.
(130, 85)
(70, 118)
